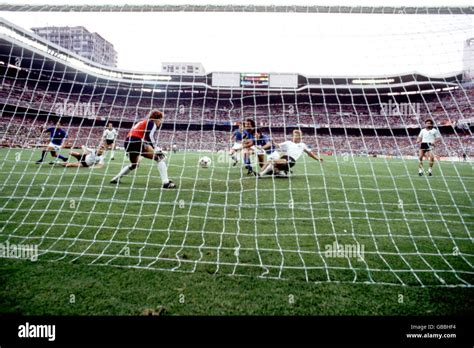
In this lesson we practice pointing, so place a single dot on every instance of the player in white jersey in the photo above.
(108, 139)
(427, 138)
(286, 155)
(88, 158)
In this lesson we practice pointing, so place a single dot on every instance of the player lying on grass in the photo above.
(108, 139)
(286, 155)
(141, 141)
(236, 139)
(88, 158)
(427, 139)
(57, 135)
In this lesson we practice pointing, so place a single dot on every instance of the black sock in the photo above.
(62, 157)
(43, 153)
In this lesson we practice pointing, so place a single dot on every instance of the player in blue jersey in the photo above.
(57, 135)
(248, 137)
(236, 139)
(263, 145)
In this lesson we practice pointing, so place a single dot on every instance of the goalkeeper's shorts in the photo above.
(134, 145)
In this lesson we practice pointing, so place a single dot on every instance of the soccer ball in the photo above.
(205, 162)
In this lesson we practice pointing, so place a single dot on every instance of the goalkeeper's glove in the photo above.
(158, 154)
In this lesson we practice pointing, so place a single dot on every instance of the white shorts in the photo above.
(258, 150)
(237, 146)
(54, 146)
(274, 155)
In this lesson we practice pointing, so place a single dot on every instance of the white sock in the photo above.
(266, 170)
(163, 172)
(429, 170)
(125, 170)
(112, 154)
(420, 170)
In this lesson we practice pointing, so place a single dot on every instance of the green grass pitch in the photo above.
(225, 243)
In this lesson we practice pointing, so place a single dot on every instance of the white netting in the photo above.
(363, 215)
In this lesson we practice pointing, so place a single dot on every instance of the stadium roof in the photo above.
(41, 56)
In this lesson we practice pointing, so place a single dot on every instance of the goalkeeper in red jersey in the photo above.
(141, 141)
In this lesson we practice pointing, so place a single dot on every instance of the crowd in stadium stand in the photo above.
(23, 132)
(448, 108)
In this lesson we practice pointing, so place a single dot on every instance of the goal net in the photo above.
(359, 96)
